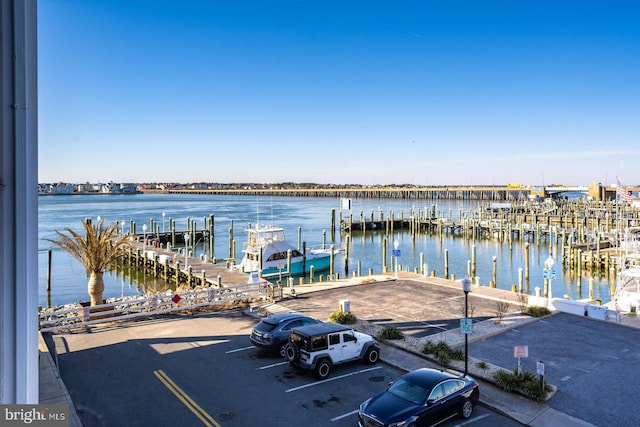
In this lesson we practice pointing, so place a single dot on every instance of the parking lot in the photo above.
(202, 370)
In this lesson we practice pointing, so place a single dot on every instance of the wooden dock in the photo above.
(190, 272)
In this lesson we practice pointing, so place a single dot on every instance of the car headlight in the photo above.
(400, 424)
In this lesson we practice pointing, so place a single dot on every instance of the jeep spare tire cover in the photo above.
(291, 352)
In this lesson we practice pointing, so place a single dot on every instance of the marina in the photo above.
(505, 261)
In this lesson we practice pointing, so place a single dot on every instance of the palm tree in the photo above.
(96, 250)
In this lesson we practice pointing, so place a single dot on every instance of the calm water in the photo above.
(312, 215)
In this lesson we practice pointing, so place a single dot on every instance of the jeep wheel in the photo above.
(323, 369)
(371, 356)
(291, 352)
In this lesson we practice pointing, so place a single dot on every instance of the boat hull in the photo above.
(319, 264)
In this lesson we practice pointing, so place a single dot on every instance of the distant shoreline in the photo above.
(90, 193)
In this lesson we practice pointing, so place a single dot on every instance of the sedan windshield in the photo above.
(409, 391)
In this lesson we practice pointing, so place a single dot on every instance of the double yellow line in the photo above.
(184, 398)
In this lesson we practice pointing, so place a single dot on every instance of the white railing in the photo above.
(53, 320)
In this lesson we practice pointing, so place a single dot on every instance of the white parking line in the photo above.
(332, 379)
(431, 325)
(473, 420)
(240, 349)
(348, 414)
(273, 365)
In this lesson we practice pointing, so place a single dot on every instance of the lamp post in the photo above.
(550, 274)
(396, 253)
(144, 238)
(466, 287)
(186, 250)
(163, 214)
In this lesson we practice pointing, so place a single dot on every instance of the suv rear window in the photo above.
(264, 326)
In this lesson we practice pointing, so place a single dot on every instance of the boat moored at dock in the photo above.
(267, 251)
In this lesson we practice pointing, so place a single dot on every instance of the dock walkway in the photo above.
(189, 270)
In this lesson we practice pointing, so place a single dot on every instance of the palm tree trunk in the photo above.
(96, 288)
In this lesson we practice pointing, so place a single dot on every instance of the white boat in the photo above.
(267, 251)
(626, 297)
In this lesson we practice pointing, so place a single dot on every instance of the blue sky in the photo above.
(365, 92)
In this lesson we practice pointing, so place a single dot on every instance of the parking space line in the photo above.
(273, 365)
(206, 419)
(332, 379)
(348, 414)
(431, 325)
(240, 349)
(474, 419)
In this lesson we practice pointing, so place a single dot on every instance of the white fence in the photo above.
(53, 320)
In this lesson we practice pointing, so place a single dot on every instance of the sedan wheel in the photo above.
(283, 350)
(467, 409)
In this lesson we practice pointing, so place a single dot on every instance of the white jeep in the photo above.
(319, 347)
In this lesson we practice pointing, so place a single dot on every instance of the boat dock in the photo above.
(183, 270)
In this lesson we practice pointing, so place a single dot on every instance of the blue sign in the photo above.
(549, 274)
(395, 252)
(466, 326)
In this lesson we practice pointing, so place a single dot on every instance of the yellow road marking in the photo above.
(184, 398)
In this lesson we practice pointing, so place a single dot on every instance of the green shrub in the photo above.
(391, 333)
(506, 380)
(343, 317)
(442, 352)
(443, 357)
(526, 382)
(429, 348)
(536, 311)
(482, 365)
(457, 354)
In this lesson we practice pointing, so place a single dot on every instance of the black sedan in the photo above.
(422, 397)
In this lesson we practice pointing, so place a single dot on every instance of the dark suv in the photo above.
(272, 332)
(319, 347)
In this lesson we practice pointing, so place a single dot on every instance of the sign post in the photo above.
(540, 371)
(519, 352)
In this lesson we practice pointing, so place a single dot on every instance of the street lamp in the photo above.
(186, 250)
(549, 273)
(163, 214)
(466, 287)
(396, 253)
(144, 238)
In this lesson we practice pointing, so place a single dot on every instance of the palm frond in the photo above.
(98, 247)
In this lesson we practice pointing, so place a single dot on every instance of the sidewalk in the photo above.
(52, 388)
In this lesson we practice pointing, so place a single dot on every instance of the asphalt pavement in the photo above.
(425, 307)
